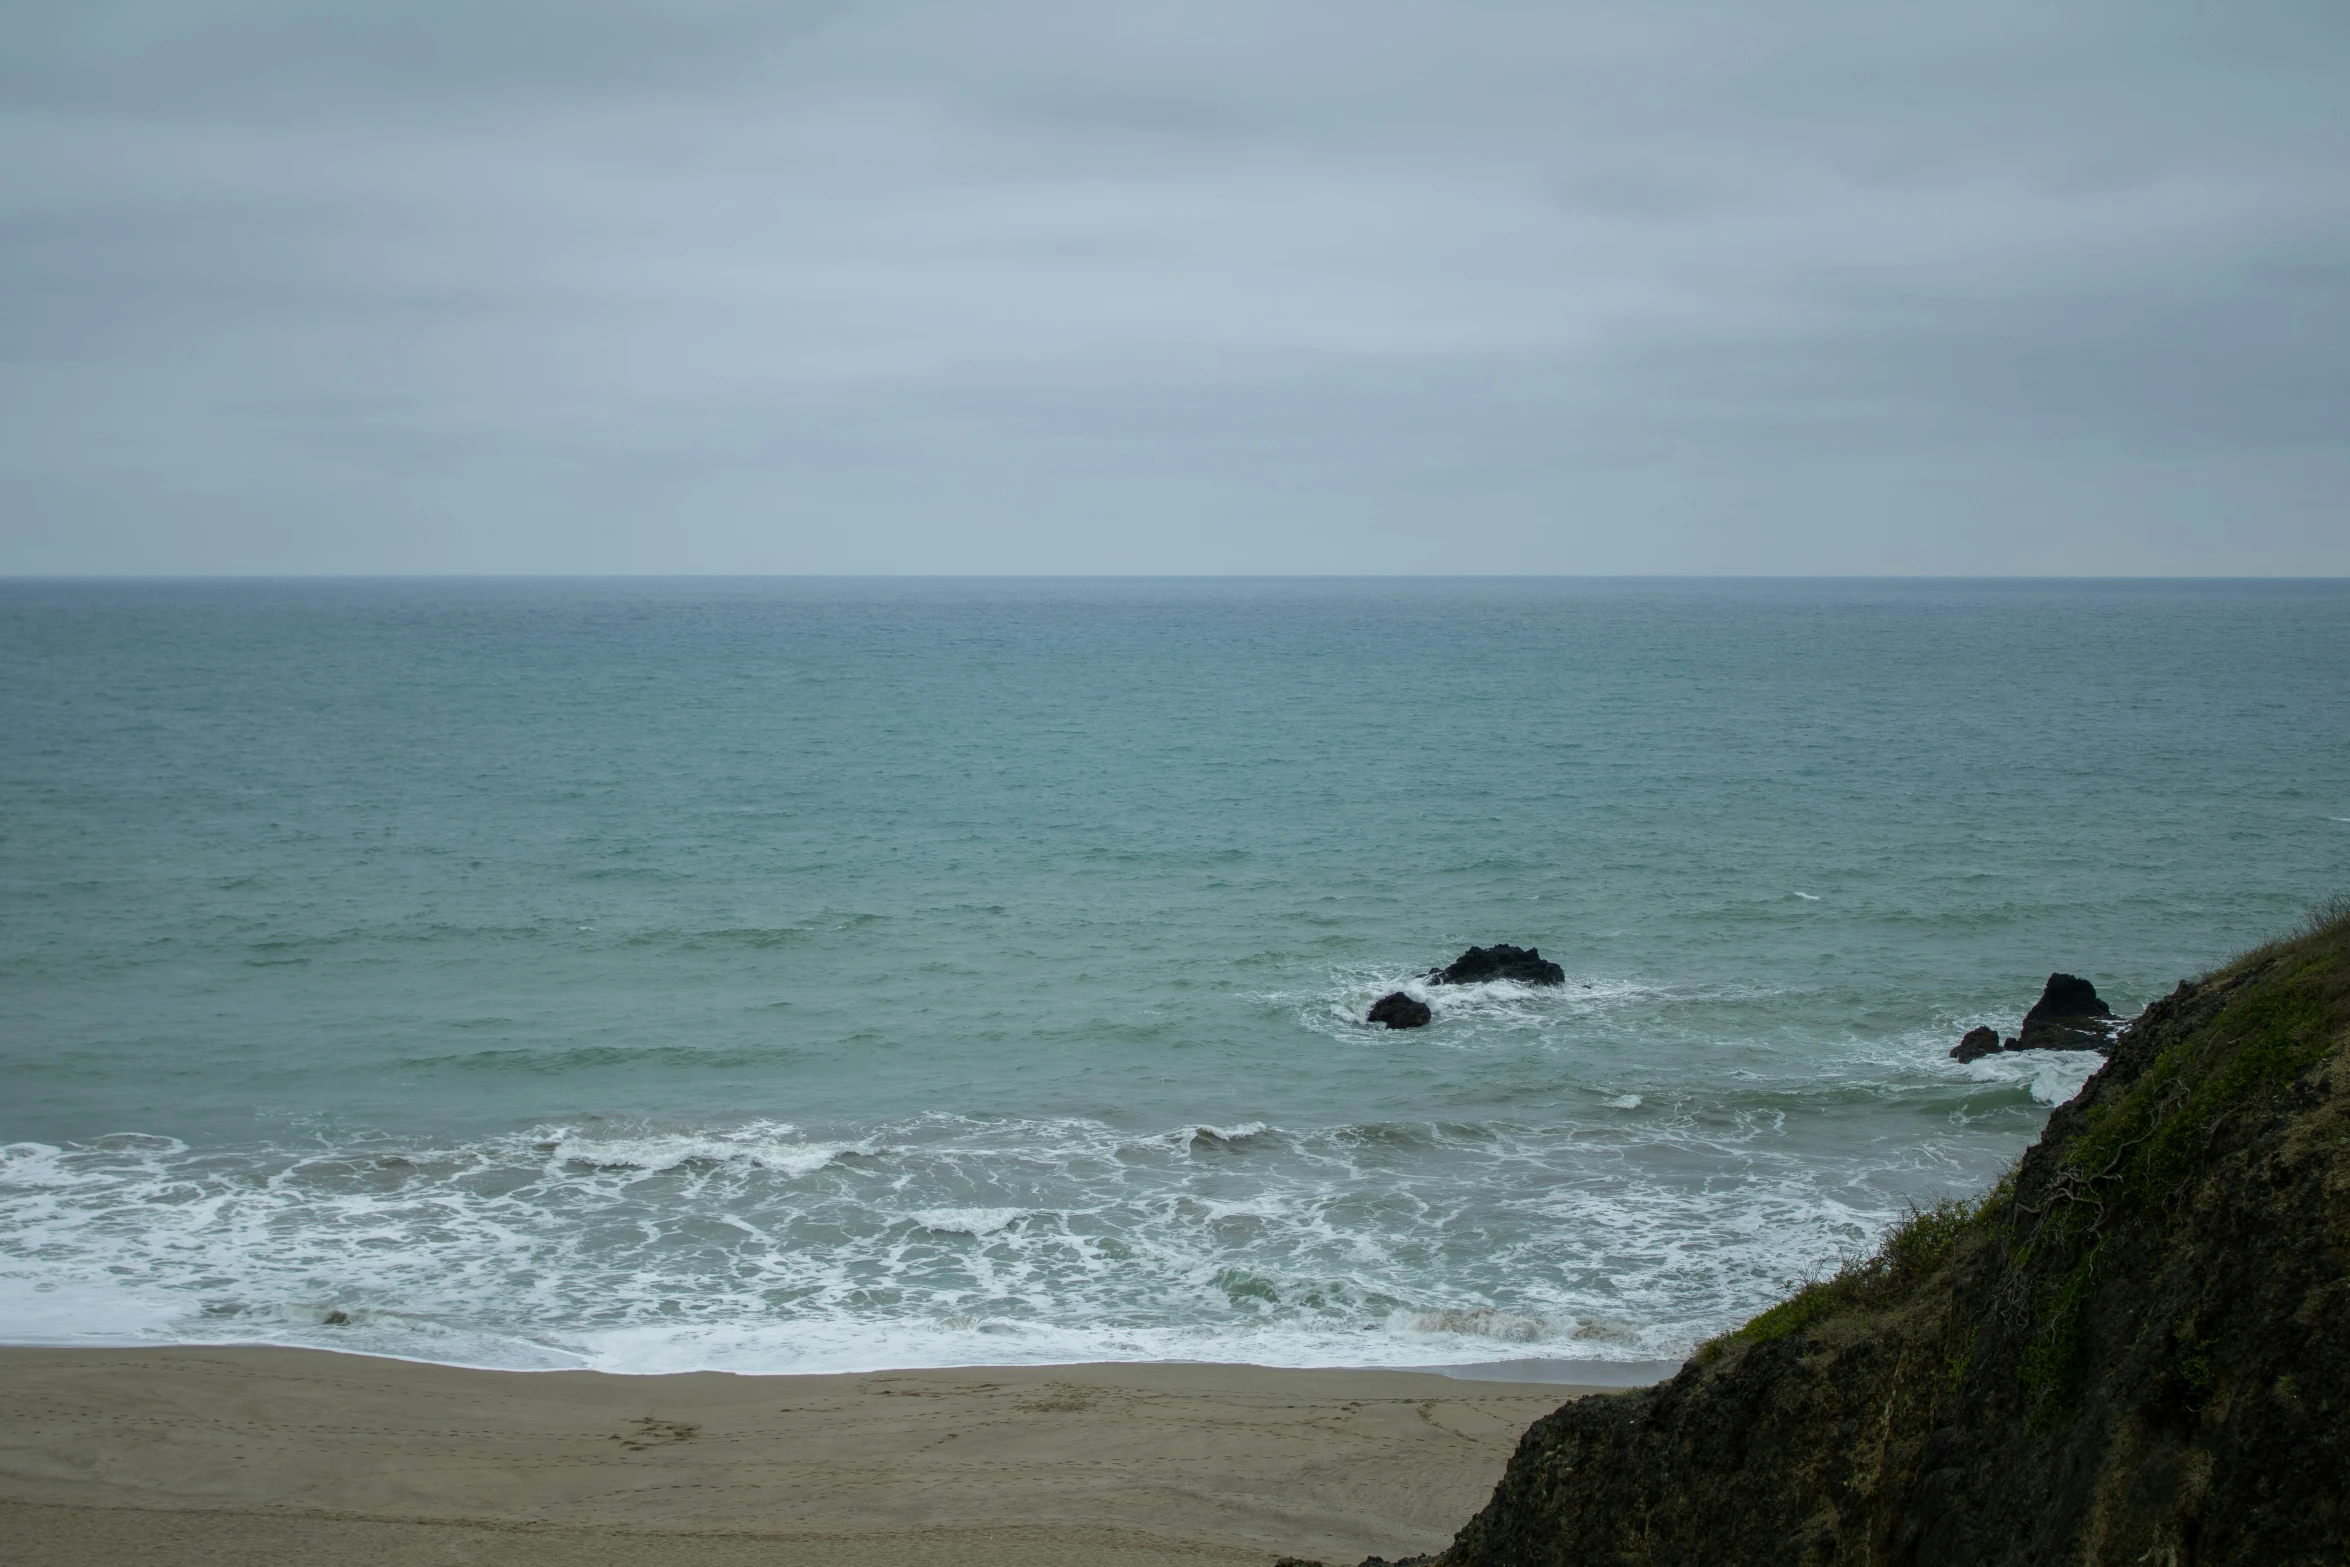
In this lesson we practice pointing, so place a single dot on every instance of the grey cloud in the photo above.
(1293, 285)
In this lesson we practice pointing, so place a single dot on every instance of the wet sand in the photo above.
(267, 1456)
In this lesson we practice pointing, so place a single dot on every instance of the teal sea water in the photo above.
(818, 975)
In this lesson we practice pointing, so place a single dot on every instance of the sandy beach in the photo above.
(266, 1456)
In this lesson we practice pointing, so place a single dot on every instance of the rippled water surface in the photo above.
(828, 975)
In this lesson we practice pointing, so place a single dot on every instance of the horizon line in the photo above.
(1143, 576)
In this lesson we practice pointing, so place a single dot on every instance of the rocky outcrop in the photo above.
(2135, 1349)
(1398, 1010)
(2068, 1016)
(1979, 1042)
(2066, 996)
(1476, 966)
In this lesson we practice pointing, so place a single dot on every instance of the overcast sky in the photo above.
(1188, 286)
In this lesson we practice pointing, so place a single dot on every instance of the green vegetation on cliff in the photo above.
(2135, 1349)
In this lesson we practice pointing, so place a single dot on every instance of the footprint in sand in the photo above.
(655, 1433)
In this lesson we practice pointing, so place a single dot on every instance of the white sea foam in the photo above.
(768, 1145)
(1223, 1136)
(2050, 1076)
(2062, 1075)
(942, 1239)
(967, 1221)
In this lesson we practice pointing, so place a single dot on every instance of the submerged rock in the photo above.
(1979, 1042)
(1398, 1010)
(1526, 965)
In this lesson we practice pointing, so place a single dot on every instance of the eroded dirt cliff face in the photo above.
(2135, 1350)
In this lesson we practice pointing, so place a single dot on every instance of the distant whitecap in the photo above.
(967, 1221)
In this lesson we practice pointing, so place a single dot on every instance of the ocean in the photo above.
(818, 975)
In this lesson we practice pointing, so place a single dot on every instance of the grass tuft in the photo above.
(1911, 1252)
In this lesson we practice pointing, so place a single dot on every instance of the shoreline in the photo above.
(264, 1454)
(1533, 1370)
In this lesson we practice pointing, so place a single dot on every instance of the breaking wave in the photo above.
(945, 1239)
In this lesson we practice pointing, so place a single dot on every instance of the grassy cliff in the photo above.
(2135, 1349)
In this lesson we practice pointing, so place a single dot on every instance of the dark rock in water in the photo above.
(1979, 1042)
(1398, 1010)
(1526, 965)
(2065, 995)
(2068, 1016)
(337, 1318)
